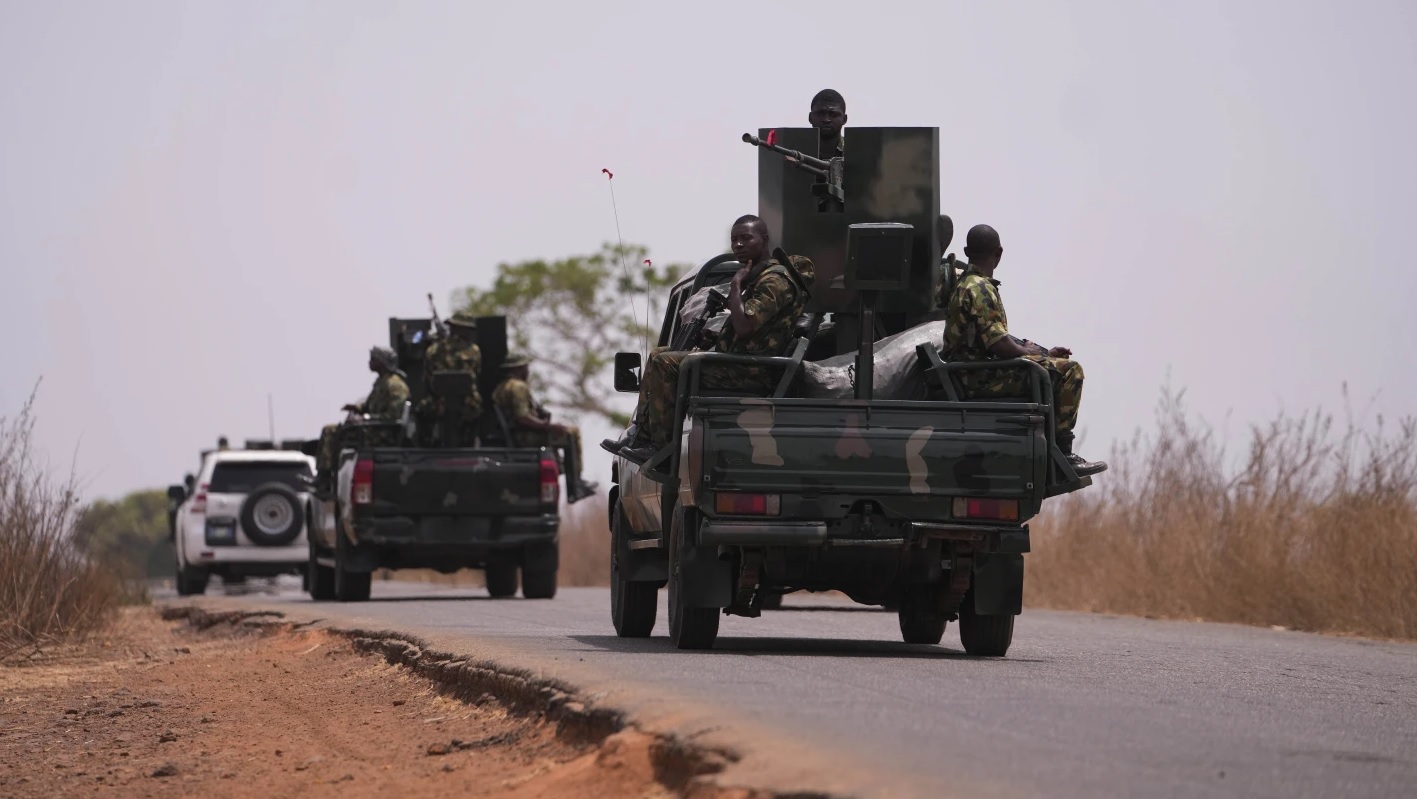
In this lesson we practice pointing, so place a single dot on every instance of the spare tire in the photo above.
(272, 516)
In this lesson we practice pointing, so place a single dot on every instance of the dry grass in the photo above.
(1315, 528)
(49, 591)
(585, 551)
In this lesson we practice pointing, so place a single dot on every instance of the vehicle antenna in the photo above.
(610, 179)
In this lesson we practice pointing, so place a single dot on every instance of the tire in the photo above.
(633, 605)
(501, 580)
(320, 579)
(981, 635)
(539, 581)
(772, 602)
(349, 586)
(920, 619)
(689, 628)
(190, 581)
(272, 515)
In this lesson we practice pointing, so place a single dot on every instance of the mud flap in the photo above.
(642, 565)
(360, 560)
(708, 580)
(998, 584)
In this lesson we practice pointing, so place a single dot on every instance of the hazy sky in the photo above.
(204, 203)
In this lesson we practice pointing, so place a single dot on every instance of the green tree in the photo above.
(130, 534)
(573, 315)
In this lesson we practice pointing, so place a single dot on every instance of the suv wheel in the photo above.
(271, 516)
(190, 580)
(501, 579)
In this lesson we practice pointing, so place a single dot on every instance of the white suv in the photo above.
(245, 517)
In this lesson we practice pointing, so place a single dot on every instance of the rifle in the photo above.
(688, 337)
(442, 329)
(829, 170)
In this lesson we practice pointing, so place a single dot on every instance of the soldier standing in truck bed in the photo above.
(828, 115)
(978, 330)
(764, 300)
(532, 426)
(457, 353)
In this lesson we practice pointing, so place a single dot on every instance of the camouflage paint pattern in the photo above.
(386, 398)
(448, 356)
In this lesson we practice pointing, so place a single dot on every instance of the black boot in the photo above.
(1081, 466)
(579, 490)
(613, 446)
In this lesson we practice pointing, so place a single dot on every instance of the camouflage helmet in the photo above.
(516, 360)
(384, 357)
(463, 319)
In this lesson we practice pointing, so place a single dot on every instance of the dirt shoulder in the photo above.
(159, 709)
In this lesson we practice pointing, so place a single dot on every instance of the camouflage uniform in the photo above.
(448, 356)
(772, 297)
(385, 401)
(977, 320)
(513, 398)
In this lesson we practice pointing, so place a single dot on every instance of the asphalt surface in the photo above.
(822, 695)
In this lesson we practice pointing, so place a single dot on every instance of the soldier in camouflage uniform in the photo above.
(978, 330)
(532, 426)
(385, 402)
(458, 353)
(764, 301)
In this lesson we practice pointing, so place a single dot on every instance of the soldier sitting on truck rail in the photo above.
(765, 298)
(978, 330)
(457, 353)
(385, 401)
(532, 426)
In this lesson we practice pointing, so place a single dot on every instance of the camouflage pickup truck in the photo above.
(864, 471)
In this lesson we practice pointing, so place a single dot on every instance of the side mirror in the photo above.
(177, 493)
(627, 371)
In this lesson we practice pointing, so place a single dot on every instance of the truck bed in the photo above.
(456, 482)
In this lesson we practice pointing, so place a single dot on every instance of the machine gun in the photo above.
(438, 325)
(829, 190)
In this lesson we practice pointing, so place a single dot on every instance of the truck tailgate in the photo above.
(458, 482)
(877, 448)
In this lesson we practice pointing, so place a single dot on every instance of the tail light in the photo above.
(1001, 510)
(731, 503)
(362, 487)
(199, 501)
(550, 481)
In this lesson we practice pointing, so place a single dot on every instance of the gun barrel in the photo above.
(805, 162)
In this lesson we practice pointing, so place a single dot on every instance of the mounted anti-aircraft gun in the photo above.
(828, 190)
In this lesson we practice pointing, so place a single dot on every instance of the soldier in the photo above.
(458, 353)
(385, 401)
(532, 426)
(828, 115)
(764, 300)
(978, 330)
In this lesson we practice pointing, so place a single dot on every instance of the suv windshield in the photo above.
(244, 477)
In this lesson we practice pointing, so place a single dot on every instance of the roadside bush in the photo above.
(1313, 528)
(49, 591)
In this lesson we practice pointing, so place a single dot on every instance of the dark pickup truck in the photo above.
(490, 507)
(863, 471)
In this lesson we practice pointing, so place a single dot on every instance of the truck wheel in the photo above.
(920, 619)
(689, 628)
(191, 581)
(772, 602)
(501, 580)
(321, 579)
(985, 636)
(539, 565)
(349, 586)
(633, 605)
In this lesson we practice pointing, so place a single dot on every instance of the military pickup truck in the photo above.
(398, 500)
(864, 471)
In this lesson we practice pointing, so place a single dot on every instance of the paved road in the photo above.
(822, 695)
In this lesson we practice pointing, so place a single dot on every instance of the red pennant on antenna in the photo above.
(649, 263)
(608, 174)
(772, 138)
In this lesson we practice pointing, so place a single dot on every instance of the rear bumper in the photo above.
(474, 533)
(985, 538)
